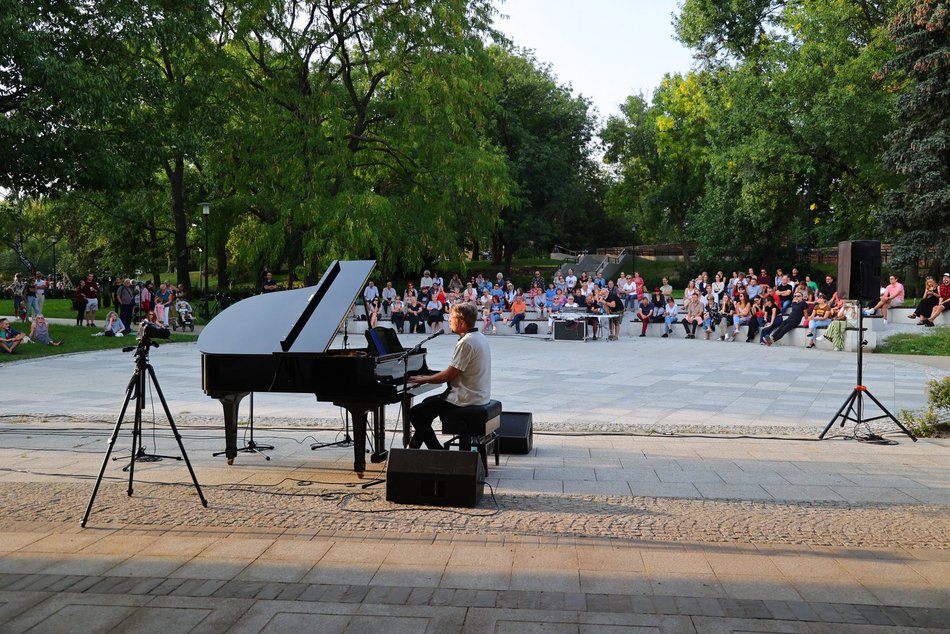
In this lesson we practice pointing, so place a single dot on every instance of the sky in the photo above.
(605, 49)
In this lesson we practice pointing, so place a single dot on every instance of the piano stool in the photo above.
(478, 422)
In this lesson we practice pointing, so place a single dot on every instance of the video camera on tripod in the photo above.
(146, 334)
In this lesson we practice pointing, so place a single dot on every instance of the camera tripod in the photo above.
(136, 392)
(853, 407)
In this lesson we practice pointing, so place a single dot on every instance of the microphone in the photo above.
(416, 348)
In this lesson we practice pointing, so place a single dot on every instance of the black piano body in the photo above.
(242, 352)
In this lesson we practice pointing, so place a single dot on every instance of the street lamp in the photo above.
(54, 240)
(205, 212)
(633, 251)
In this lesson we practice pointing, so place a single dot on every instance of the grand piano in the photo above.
(279, 342)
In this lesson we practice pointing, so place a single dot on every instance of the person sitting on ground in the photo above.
(39, 332)
(796, 312)
(892, 297)
(10, 338)
(928, 301)
(115, 328)
(517, 312)
(670, 317)
(693, 314)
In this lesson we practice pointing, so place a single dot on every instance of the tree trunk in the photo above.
(221, 257)
(176, 176)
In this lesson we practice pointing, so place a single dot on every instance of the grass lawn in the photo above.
(933, 341)
(76, 339)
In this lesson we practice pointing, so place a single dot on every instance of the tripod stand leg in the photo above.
(112, 439)
(136, 424)
(848, 403)
(891, 416)
(171, 423)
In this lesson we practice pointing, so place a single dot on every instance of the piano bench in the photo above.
(475, 422)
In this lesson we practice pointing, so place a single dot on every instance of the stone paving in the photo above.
(592, 532)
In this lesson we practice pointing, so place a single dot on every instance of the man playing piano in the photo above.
(468, 376)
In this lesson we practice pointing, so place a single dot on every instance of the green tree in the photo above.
(917, 214)
(364, 132)
(546, 134)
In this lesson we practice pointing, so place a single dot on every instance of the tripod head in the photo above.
(147, 332)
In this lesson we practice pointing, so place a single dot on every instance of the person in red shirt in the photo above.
(944, 292)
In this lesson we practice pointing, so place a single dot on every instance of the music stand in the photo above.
(136, 391)
(853, 407)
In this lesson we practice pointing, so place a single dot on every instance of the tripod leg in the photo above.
(112, 439)
(171, 422)
(137, 424)
(849, 402)
(891, 416)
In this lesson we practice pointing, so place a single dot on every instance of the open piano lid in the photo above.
(302, 321)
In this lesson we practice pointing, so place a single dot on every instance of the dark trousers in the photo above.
(399, 321)
(421, 417)
(753, 328)
(784, 328)
(125, 314)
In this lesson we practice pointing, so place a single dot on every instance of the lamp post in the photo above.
(54, 240)
(205, 212)
(633, 250)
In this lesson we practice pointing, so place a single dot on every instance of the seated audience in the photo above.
(892, 296)
(39, 332)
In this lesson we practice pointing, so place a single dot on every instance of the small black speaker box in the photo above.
(859, 270)
(516, 434)
(435, 478)
(570, 330)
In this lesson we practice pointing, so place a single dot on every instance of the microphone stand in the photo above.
(405, 395)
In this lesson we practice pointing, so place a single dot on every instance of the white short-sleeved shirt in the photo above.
(472, 358)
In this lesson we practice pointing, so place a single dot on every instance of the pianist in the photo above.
(468, 376)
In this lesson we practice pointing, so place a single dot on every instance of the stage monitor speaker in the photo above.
(568, 330)
(435, 478)
(516, 433)
(859, 270)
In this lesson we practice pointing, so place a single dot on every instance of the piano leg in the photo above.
(359, 440)
(231, 404)
(379, 436)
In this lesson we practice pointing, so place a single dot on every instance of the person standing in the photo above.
(91, 293)
(41, 287)
(18, 287)
(125, 297)
(468, 376)
(270, 284)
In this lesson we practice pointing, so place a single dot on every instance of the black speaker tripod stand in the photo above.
(853, 407)
(136, 392)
